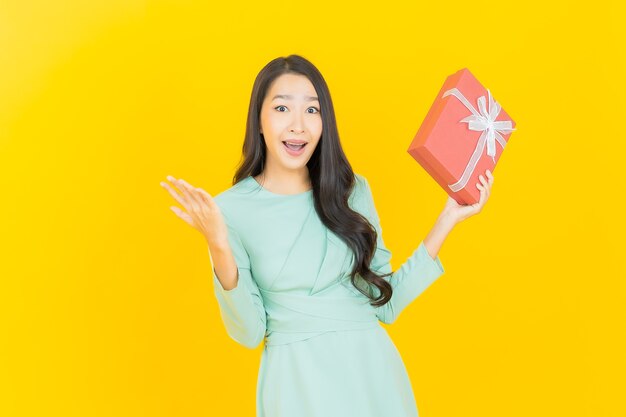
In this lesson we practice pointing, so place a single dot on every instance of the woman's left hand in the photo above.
(455, 212)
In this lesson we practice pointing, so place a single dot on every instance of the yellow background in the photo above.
(106, 300)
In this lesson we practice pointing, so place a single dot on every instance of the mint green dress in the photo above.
(325, 352)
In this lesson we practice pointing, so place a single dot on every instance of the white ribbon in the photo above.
(484, 121)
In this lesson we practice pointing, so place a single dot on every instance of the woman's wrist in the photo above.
(218, 245)
(446, 221)
(437, 235)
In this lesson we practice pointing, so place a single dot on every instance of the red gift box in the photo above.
(463, 135)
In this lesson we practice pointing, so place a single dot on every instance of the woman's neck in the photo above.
(284, 184)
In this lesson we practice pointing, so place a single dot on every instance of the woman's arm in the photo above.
(453, 213)
(423, 267)
(224, 264)
(417, 272)
(240, 302)
(437, 235)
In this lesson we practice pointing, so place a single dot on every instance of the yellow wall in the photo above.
(106, 301)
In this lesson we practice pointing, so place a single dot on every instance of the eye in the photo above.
(314, 108)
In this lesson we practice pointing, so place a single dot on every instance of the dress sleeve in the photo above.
(241, 308)
(411, 279)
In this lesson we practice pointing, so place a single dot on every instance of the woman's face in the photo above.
(290, 113)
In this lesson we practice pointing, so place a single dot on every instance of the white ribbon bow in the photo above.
(483, 121)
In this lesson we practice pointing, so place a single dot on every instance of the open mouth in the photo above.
(293, 147)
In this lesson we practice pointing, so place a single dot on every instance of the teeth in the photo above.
(296, 144)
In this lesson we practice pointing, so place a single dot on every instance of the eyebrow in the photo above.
(289, 97)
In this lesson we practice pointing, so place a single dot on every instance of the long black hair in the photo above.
(330, 172)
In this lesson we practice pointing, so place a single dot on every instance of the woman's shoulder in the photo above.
(361, 194)
(235, 200)
(362, 184)
(234, 191)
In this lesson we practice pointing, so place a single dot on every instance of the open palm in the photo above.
(202, 212)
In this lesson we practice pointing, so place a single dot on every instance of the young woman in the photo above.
(299, 260)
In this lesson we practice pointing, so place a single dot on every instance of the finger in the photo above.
(482, 197)
(197, 196)
(176, 185)
(174, 194)
(487, 189)
(187, 218)
(184, 198)
(486, 184)
(189, 192)
(490, 176)
(205, 200)
(208, 199)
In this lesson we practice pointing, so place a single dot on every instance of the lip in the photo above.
(292, 152)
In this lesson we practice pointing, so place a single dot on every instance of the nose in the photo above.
(296, 124)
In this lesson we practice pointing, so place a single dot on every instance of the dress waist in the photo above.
(293, 317)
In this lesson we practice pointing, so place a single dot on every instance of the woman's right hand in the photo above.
(203, 213)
